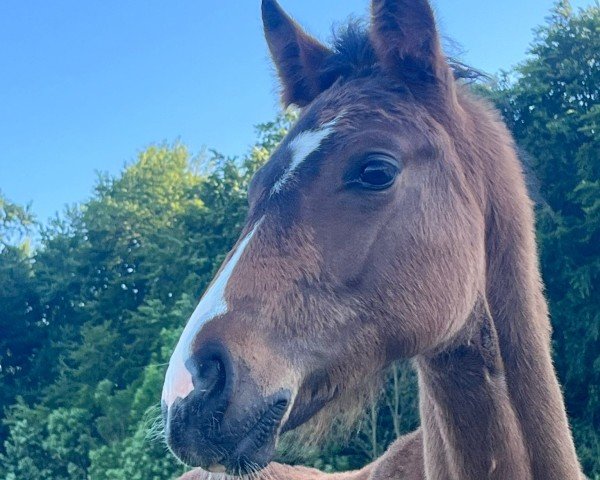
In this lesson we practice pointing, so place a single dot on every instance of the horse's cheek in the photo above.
(437, 277)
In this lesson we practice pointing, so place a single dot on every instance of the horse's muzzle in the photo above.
(225, 424)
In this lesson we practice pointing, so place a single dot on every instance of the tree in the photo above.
(15, 222)
(21, 331)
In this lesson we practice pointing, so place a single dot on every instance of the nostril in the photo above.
(212, 374)
(211, 377)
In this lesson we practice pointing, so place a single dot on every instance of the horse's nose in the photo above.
(194, 419)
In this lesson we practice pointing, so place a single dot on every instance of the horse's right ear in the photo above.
(299, 58)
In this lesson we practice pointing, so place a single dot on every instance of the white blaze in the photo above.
(301, 147)
(178, 381)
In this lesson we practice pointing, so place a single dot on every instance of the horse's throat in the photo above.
(470, 426)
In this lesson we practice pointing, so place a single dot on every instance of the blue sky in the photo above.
(86, 85)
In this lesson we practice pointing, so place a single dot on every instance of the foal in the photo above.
(392, 222)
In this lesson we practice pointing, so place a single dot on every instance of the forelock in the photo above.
(353, 56)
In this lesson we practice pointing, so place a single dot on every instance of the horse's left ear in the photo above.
(405, 38)
(299, 58)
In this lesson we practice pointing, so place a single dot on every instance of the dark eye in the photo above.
(378, 172)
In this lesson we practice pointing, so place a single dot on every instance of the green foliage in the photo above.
(69, 439)
(88, 319)
(15, 221)
(134, 458)
(24, 455)
(46, 444)
(21, 332)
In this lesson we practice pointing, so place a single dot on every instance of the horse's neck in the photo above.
(470, 427)
(520, 316)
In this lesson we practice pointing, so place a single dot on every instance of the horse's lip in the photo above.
(259, 435)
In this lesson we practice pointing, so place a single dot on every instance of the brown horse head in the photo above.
(365, 240)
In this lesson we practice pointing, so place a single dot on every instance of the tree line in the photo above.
(91, 310)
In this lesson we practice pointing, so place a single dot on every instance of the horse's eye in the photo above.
(379, 172)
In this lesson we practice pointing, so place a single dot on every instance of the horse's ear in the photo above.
(407, 43)
(298, 57)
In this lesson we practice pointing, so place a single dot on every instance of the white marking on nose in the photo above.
(178, 380)
(301, 147)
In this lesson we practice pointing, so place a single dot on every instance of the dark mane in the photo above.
(354, 56)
